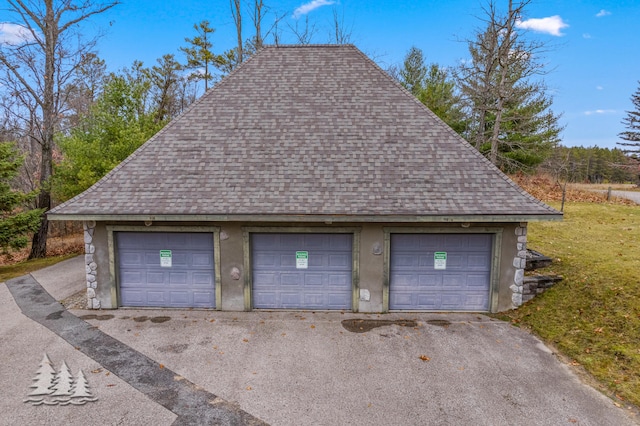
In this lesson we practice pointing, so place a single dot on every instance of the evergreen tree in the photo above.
(17, 224)
(433, 86)
(632, 124)
(513, 124)
(413, 71)
(200, 57)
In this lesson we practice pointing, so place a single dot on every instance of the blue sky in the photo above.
(594, 63)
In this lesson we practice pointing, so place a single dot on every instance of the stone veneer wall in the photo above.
(90, 265)
(519, 262)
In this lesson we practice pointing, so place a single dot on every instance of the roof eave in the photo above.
(327, 219)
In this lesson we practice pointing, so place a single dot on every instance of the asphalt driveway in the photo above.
(289, 368)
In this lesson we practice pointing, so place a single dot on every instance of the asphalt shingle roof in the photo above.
(306, 130)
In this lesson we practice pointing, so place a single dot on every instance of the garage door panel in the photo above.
(463, 284)
(133, 295)
(290, 299)
(265, 259)
(154, 297)
(401, 279)
(287, 279)
(429, 280)
(179, 298)
(453, 281)
(431, 300)
(202, 298)
(313, 280)
(131, 258)
(451, 301)
(152, 278)
(479, 262)
(342, 280)
(286, 260)
(476, 281)
(314, 300)
(202, 279)
(151, 259)
(455, 261)
(453, 243)
(144, 282)
(325, 283)
(476, 301)
(178, 278)
(133, 277)
(202, 260)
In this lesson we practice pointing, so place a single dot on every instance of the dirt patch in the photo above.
(56, 246)
(364, 325)
(546, 189)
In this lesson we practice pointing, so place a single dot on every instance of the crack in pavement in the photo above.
(191, 403)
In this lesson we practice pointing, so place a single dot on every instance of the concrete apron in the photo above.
(304, 368)
(190, 403)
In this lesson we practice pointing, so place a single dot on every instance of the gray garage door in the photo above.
(440, 272)
(166, 269)
(301, 271)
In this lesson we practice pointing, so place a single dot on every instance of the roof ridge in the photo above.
(301, 45)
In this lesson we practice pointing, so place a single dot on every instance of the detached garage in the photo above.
(308, 179)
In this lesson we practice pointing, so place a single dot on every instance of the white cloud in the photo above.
(13, 34)
(312, 5)
(599, 88)
(600, 112)
(602, 13)
(550, 25)
(586, 35)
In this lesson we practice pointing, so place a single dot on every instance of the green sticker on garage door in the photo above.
(440, 260)
(165, 258)
(302, 259)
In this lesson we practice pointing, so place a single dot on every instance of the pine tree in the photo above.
(632, 124)
(199, 55)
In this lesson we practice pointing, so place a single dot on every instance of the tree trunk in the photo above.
(39, 242)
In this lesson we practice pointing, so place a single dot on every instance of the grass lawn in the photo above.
(593, 315)
(18, 269)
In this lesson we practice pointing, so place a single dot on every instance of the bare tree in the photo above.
(510, 109)
(236, 13)
(37, 67)
(341, 32)
(258, 15)
(303, 33)
(165, 78)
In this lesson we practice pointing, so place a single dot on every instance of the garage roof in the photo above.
(307, 131)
